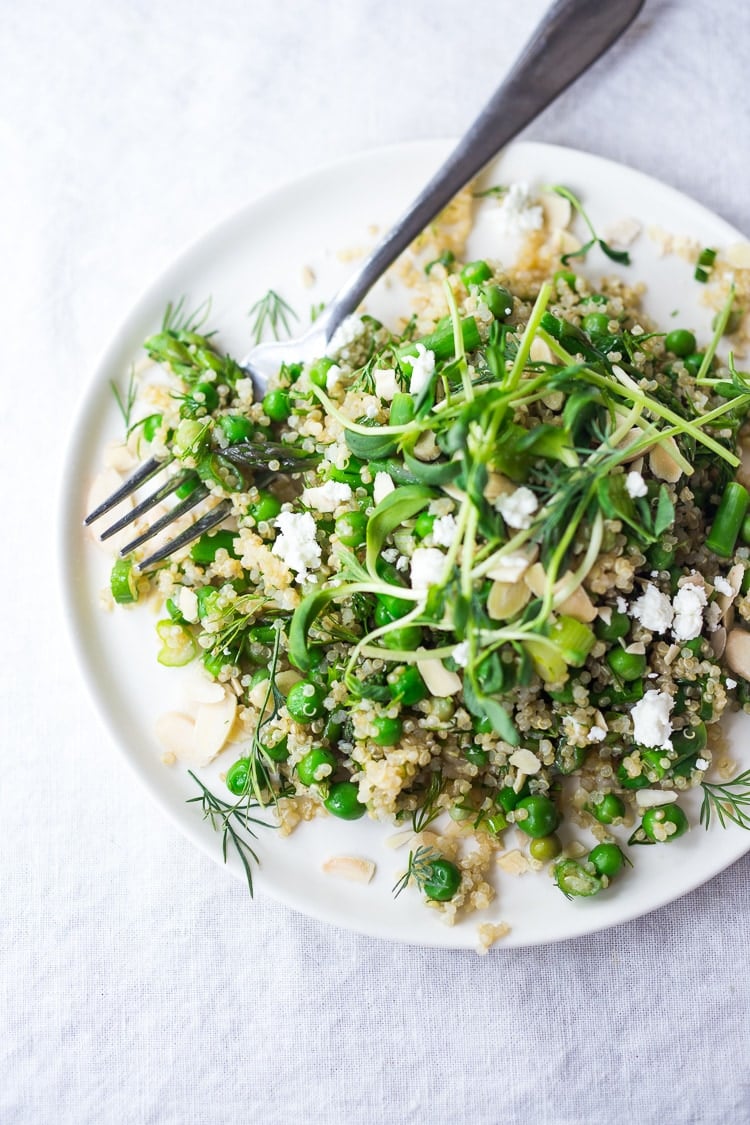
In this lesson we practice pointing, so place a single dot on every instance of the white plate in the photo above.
(267, 245)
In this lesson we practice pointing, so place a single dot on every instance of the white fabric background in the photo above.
(138, 984)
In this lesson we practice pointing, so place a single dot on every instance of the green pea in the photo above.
(609, 809)
(391, 607)
(188, 485)
(477, 756)
(203, 399)
(608, 859)
(542, 818)
(405, 639)
(664, 823)
(318, 371)
(653, 761)
(442, 881)
(617, 627)
(407, 686)
(207, 598)
(693, 363)
(628, 782)
(305, 701)
(239, 779)
(690, 740)
(498, 300)
(680, 342)
(151, 425)
(310, 767)
(507, 798)
(575, 881)
(388, 731)
(235, 427)
(265, 508)
(423, 525)
(474, 273)
(343, 801)
(596, 324)
(205, 549)
(351, 528)
(564, 277)
(279, 751)
(276, 405)
(545, 848)
(627, 665)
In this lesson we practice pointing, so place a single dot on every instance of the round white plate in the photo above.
(268, 244)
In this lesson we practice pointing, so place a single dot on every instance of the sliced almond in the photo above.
(506, 599)
(176, 733)
(567, 243)
(510, 568)
(526, 761)
(661, 462)
(738, 255)
(652, 798)
(578, 605)
(427, 448)
(540, 351)
(623, 231)
(497, 485)
(718, 641)
(351, 868)
(398, 839)
(213, 726)
(439, 680)
(737, 652)
(557, 210)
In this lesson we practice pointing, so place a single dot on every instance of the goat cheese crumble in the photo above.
(422, 368)
(461, 654)
(444, 531)
(297, 546)
(653, 609)
(327, 497)
(386, 383)
(517, 214)
(518, 508)
(427, 565)
(651, 723)
(347, 332)
(688, 605)
(635, 485)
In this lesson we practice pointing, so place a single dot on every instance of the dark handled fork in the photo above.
(570, 37)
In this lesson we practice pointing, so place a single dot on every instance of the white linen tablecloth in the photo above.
(138, 984)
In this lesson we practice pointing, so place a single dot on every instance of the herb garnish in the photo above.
(620, 256)
(271, 311)
(730, 800)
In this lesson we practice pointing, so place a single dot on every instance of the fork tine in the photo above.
(146, 505)
(205, 523)
(200, 493)
(147, 470)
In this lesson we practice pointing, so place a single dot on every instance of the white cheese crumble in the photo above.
(347, 332)
(422, 368)
(333, 377)
(382, 486)
(517, 214)
(689, 602)
(722, 586)
(427, 566)
(444, 531)
(597, 734)
(296, 546)
(731, 684)
(622, 605)
(386, 383)
(653, 609)
(702, 763)
(635, 485)
(517, 508)
(327, 497)
(650, 715)
(713, 617)
(187, 603)
(461, 654)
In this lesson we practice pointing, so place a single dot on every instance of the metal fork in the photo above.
(571, 36)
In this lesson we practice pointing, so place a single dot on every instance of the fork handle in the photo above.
(572, 36)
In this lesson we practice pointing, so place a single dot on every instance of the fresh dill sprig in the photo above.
(730, 800)
(177, 319)
(620, 256)
(316, 310)
(429, 810)
(418, 869)
(221, 814)
(125, 405)
(271, 311)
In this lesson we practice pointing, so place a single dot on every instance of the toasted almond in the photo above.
(738, 255)
(662, 463)
(498, 485)
(398, 839)
(526, 761)
(540, 351)
(176, 733)
(213, 726)
(652, 798)
(578, 605)
(427, 449)
(737, 652)
(557, 210)
(350, 867)
(506, 599)
(718, 641)
(439, 680)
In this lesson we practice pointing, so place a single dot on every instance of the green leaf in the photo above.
(370, 446)
(305, 615)
(664, 517)
(390, 513)
(431, 472)
(484, 707)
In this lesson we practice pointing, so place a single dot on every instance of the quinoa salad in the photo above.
(483, 575)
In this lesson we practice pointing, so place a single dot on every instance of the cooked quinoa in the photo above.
(482, 574)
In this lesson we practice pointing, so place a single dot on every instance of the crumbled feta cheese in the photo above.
(444, 531)
(461, 654)
(333, 377)
(296, 546)
(427, 566)
(187, 603)
(722, 586)
(347, 332)
(650, 715)
(622, 605)
(422, 368)
(653, 609)
(382, 486)
(702, 763)
(731, 684)
(688, 606)
(372, 410)
(402, 562)
(517, 214)
(713, 617)
(597, 734)
(635, 485)
(386, 383)
(517, 508)
(337, 454)
(327, 497)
